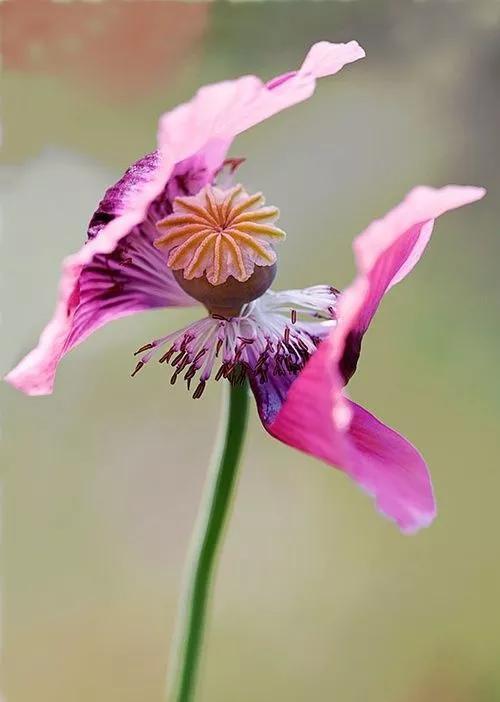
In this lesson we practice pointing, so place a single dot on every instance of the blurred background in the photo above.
(317, 597)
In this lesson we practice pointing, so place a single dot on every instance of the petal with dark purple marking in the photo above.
(315, 415)
(116, 273)
(192, 143)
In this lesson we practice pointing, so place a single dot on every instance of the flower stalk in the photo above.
(207, 536)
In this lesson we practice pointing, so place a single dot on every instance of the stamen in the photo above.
(220, 373)
(167, 356)
(259, 343)
(143, 348)
(199, 355)
(218, 316)
(199, 390)
(177, 358)
(137, 368)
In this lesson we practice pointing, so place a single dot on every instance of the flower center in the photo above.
(222, 240)
(271, 340)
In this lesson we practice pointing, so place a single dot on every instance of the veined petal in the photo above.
(316, 417)
(192, 143)
(116, 273)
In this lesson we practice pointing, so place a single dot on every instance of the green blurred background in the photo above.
(317, 597)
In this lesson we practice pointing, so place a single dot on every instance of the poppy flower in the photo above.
(176, 230)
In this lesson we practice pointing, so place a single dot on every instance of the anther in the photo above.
(264, 377)
(190, 373)
(137, 368)
(219, 316)
(184, 343)
(167, 356)
(199, 355)
(220, 373)
(228, 368)
(199, 390)
(250, 344)
(146, 347)
(261, 361)
(182, 364)
(178, 357)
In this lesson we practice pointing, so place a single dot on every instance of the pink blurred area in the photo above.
(443, 686)
(118, 49)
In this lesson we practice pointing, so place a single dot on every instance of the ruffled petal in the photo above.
(103, 281)
(219, 112)
(385, 253)
(315, 415)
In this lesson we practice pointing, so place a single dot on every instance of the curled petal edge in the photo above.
(202, 128)
(318, 418)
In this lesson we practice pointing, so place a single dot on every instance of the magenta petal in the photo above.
(390, 469)
(344, 434)
(317, 418)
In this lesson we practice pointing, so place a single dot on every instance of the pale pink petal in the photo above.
(385, 253)
(219, 112)
(317, 418)
(98, 283)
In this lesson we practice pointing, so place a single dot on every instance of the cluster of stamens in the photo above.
(273, 336)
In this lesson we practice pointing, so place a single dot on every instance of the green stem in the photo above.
(212, 517)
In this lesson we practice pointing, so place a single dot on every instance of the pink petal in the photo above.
(381, 461)
(385, 253)
(116, 273)
(219, 112)
(96, 286)
(317, 418)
